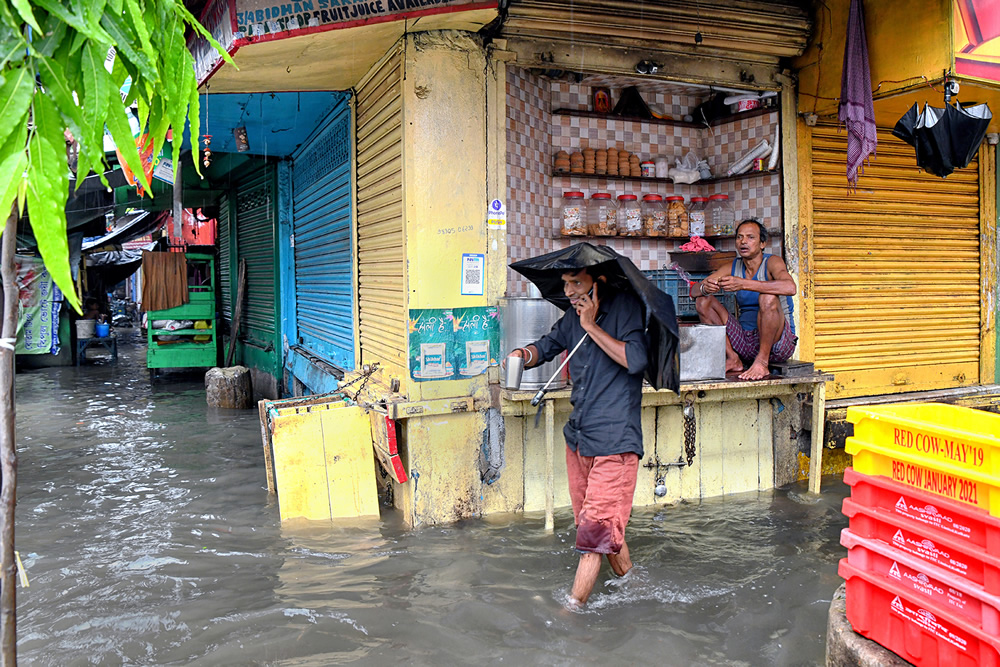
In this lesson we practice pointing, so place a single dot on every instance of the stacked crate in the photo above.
(923, 563)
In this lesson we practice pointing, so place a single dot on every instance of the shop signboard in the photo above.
(40, 301)
(977, 39)
(219, 18)
(264, 20)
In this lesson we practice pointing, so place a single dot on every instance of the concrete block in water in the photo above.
(846, 648)
(229, 387)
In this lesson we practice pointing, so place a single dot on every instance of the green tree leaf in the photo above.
(15, 98)
(74, 20)
(13, 164)
(23, 8)
(48, 187)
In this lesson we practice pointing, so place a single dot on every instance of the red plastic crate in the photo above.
(957, 519)
(926, 542)
(928, 581)
(912, 627)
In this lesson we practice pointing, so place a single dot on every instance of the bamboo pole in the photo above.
(8, 452)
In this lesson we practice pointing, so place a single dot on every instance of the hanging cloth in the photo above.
(164, 280)
(857, 111)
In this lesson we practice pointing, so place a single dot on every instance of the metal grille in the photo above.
(225, 251)
(255, 240)
(328, 153)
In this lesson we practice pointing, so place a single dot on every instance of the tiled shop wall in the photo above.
(534, 135)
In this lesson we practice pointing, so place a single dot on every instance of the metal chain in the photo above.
(362, 378)
(689, 430)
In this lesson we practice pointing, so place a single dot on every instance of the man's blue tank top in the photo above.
(747, 300)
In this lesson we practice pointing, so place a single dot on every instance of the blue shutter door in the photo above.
(321, 223)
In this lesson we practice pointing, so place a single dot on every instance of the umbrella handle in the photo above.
(537, 398)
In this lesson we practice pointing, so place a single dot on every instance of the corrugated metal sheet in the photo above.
(255, 230)
(756, 30)
(895, 271)
(225, 259)
(324, 272)
(381, 261)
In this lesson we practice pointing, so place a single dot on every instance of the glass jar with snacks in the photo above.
(720, 218)
(629, 216)
(696, 215)
(654, 216)
(678, 223)
(574, 214)
(602, 215)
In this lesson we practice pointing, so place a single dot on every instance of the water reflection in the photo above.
(149, 538)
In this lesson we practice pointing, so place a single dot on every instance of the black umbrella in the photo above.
(545, 271)
(945, 139)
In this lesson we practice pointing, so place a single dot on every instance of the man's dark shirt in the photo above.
(606, 397)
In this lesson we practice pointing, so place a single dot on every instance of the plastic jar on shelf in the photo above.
(602, 215)
(720, 218)
(678, 223)
(654, 216)
(574, 214)
(696, 215)
(629, 216)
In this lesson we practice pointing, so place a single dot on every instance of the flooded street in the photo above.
(149, 538)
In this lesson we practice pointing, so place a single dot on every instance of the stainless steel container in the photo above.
(703, 352)
(525, 320)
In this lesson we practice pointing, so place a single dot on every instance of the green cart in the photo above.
(195, 347)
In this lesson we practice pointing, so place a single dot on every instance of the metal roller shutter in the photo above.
(324, 272)
(381, 259)
(225, 260)
(255, 231)
(895, 271)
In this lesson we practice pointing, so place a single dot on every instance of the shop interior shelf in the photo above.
(719, 179)
(678, 239)
(584, 113)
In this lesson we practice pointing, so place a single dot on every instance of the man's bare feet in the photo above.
(733, 365)
(758, 371)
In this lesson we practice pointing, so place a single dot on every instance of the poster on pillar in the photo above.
(264, 20)
(453, 343)
(39, 303)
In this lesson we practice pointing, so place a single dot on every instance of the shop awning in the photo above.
(127, 227)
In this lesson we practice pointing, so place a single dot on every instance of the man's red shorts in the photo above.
(601, 490)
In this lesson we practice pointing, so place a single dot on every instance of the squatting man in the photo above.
(763, 332)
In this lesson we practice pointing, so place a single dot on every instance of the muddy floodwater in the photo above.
(148, 536)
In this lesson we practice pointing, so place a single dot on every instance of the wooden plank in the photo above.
(765, 445)
(549, 465)
(739, 446)
(709, 443)
(816, 450)
(265, 436)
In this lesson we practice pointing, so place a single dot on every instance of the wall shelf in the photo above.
(707, 181)
(678, 239)
(584, 113)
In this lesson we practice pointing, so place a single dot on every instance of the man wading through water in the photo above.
(603, 434)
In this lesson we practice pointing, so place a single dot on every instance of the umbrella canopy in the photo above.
(545, 271)
(945, 139)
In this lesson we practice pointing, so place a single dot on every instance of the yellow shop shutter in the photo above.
(381, 260)
(895, 270)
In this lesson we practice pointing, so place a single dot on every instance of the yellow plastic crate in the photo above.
(933, 433)
(944, 479)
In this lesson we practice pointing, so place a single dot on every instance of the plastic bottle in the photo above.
(602, 215)
(696, 215)
(720, 216)
(574, 214)
(629, 216)
(654, 215)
